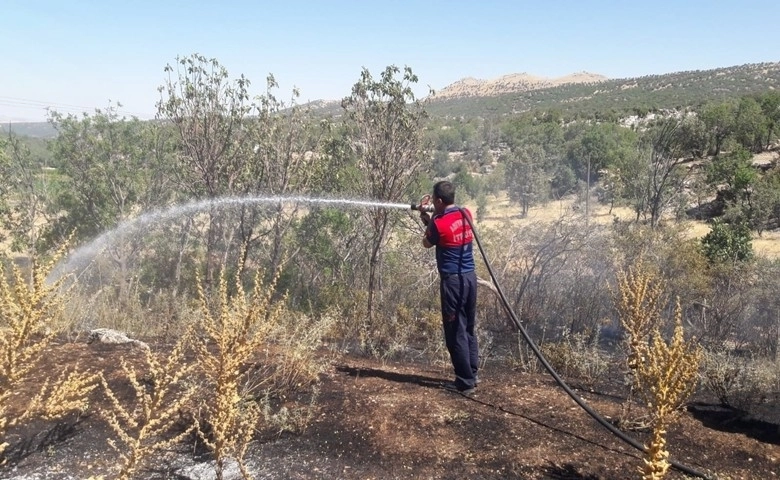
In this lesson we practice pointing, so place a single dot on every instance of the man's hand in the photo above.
(425, 217)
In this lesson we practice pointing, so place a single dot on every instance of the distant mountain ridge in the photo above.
(578, 93)
(512, 83)
(29, 129)
(593, 94)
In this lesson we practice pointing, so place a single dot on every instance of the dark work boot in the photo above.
(454, 387)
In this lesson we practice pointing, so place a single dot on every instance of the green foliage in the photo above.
(528, 130)
(495, 181)
(735, 171)
(727, 242)
(693, 137)
(442, 165)
(765, 201)
(482, 207)
(718, 120)
(664, 178)
(24, 195)
(5, 181)
(465, 182)
(324, 259)
(526, 179)
(233, 143)
(600, 146)
(748, 121)
(564, 180)
(453, 136)
(770, 106)
(750, 129)
(30, 130)
(384, 123)
(110, 169)
(206, 109)
(341, 172)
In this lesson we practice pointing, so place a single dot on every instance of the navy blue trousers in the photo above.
(459, 317)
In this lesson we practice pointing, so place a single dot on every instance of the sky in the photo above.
(77, 56)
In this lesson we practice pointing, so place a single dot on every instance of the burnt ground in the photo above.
(377, 420)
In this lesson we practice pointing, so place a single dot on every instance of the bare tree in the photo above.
(234, 144)
(209, 113)
(666, 176)
(385, 124)
(284, 140)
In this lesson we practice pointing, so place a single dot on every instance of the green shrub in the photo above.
(728, 242)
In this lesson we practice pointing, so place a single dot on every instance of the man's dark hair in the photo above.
(445, 191)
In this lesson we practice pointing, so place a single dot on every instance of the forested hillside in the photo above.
(29, 129)
(615, 97)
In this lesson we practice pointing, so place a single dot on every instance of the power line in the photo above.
(29, 104)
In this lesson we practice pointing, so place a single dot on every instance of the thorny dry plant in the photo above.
(666, 378)
(27, 310)
(152, 423)
(231, 334)
(638, 301)
(664, 374)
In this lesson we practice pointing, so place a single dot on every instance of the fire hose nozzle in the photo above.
(422, 208)
(425, 204)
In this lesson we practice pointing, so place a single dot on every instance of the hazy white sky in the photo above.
(80, 55)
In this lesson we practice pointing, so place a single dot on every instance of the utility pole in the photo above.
(587, 194)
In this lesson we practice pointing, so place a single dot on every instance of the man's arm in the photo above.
(426, 220)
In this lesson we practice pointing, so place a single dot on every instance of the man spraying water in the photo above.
(450, 232)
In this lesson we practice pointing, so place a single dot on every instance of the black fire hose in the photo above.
(680, 467)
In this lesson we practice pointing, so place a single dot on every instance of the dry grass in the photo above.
(739, 381)
(298, 362)
(768, 244)
(577, 355)
(501, 210)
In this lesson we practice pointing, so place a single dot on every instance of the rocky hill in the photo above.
(591, 94)
(513, 83)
